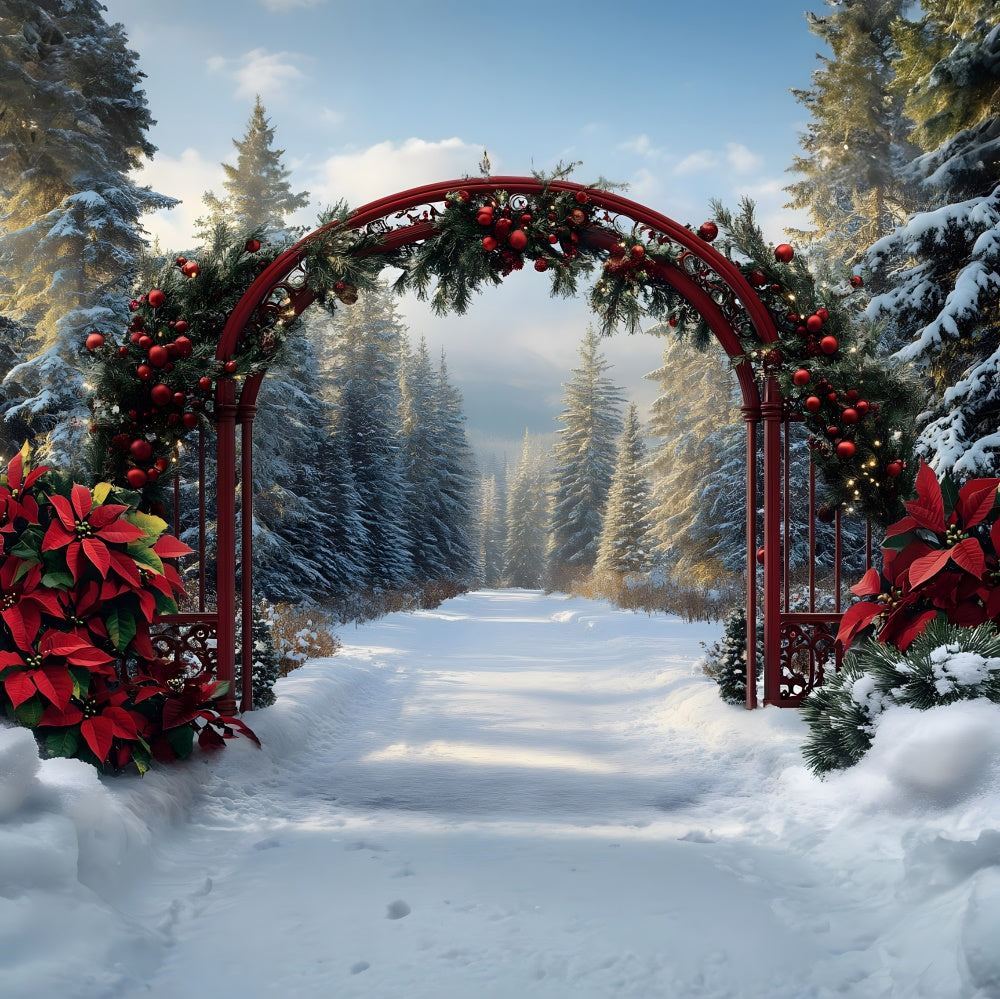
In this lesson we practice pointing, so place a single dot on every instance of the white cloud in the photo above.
(279, 6)
(382, 169)
(186, 177)
(703, 159)
(258, 71)
(741, 159)
(641, 146)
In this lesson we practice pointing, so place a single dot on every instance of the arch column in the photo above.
(225, 542)
(244, 417)
(751, 414)
(772, 412)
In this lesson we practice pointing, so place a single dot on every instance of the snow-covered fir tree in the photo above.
(855, 144)
(936, 279)
(258, 192)
(626, 544)
(359, 356)
(527, 520)
(73, 127)
(584, 461)
(491, 531)
(13, 431)
(266, 664)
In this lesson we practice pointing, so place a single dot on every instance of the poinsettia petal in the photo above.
(61, 717)
(98, 732)
(969, 555)
(23, 619)
(34, 475)
(19, 687)
(928, 508)
(57, 536)
(121, 532)
(928, 566)
(856, 619)
(54, 684)
(123, 724)
(63, 511)
(975, 500)
(73, 560)
(14, 471)
(82, 500)
(125, 567)
(870, 585)
(913, 627)
(98, 555)
(901, 527)
(170, 547)
(101, 516)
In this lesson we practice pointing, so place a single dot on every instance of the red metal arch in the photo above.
(709, 281)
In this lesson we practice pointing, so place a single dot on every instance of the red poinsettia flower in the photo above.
(16, 499)
(84, 529)
(23, 600)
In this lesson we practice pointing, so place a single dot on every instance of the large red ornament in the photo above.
(894, 469)
(136, 478)
(541, 264)
(814, 324)
(518, 239)
(141, 449)
(828, 344)
(190, 269)
(801, 377)
(638, 251)
(783, 253)
(846, 449)
(158, 356)
(190, 420)
(485, 216)
(252, 245)
(94, 340)
(156, 298)
(814, 404)
(708, 231)
(180, 326)
(145, 372)
(489, 243)
(161, 394)
(862, 406)
(581, 198)
(502, 229)
(183, 346)
(849, 415)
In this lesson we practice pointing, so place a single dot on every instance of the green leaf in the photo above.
(121, 628)
(29, 714)
(181, 740)
(949, 493)
(57, 580)
(153, 527)
(164, 603)
(65, 742)
(147, 558)
(81, 679)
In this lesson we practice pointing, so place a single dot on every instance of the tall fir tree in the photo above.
(258, 193)
(626, 544)
(358, 355)
(74, 126)
(936, 280)
(855, 145)
(584, 461)
(490, 531)
(527, 520)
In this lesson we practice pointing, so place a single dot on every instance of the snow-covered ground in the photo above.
(514, 795)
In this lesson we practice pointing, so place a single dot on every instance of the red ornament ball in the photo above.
(638, 252)
(846, 449)
(708, 231)
(489, 243)
(179, 398)
(136, 478)
(783, 253)
(502, 229)
(152, 475)
(141, 450)
(181, 261)
(761, 552)
(850, 415)
(541, 264)
(823, 314)
(894, 469)
(145, 372)
(205, 383)
(581, 198)
(832, 396)
(158, 356)
(828, 344)
(851, 395)
(183, 346)
(123, 351)
(190, 420)
(144, 341)
(862, 406)
(856, 281)
(518, 239)
(252, 245)
(94, 340)
(156, 298)
(832, 432)
(190, 269)
(181, 326)
(485, 216)
(161, 394)
(814, 324)
(230, 367)
(757, 278)
(801, 377)
(814, 404)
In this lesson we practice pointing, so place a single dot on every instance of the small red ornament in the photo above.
(158, 356)
(851, 395)
(94, 340)
(525, 218)
(832, 396)
(826, 514)
(856, 281)
(638, 251)
(862, 406)
(230, 367)
(541, 264)
(179, 398)
(161, 394)
(849, 415)
(489, 243)
(783, 253)
(183, 346)
(173, 419)
(252, 245)
(141, 450)
(463, 195)
(190, 269)
(181, 261)
(801, 377)
(814, 324)
(123, 351)
(553, 238)
(145, 372)
(502, 229)
(894, 469)
(814, 404)
(761, 552)
(205, 383)
(156, 298)
(757, 278)
(162, 464)
(152, 475)
(133, 305)
(144, 341)
(518, 239)
(832, 432)
(485, 216)
(190, 420)
(581, 198)
(828, 344)
(180, 326)
(823, 314)
(136, 478)
(708, 231)
(846, 449)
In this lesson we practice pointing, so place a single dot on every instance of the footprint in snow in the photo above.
(397, 910)
(356, 969)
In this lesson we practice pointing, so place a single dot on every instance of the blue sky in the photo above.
(682, 101)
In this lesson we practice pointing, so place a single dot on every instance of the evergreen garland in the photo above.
(944, 664)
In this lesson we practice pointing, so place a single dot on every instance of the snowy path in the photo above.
(527, 796)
